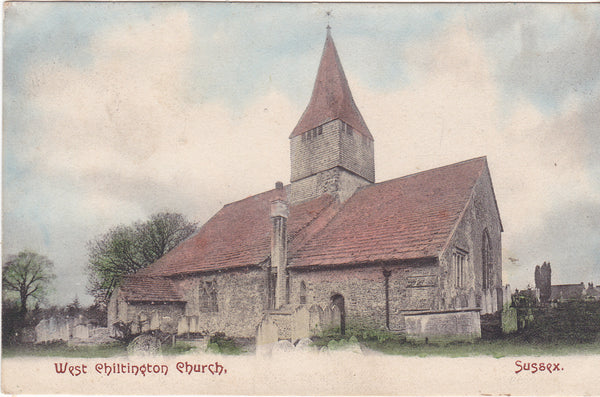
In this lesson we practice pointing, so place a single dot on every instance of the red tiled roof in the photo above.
(406, 218)
(331, 97)
(149, 289)
(239, 235)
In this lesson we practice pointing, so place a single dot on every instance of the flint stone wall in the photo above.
(479, 215)
(411, 288)
(241, 301)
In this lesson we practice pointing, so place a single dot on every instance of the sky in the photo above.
(115, 111)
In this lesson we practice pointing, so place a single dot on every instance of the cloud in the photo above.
(452, 111)
(148, 123)
(545, 52)
(117, 140)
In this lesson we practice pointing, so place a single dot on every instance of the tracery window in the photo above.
(208, 297)
(459, 264)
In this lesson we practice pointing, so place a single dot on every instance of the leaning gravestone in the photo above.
(144, 345)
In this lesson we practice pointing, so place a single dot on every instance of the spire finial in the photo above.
(328, 13)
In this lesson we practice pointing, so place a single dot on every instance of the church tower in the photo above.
(331, 146)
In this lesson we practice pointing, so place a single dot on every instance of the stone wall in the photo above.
(336, 181)
(411, 288)
(144, 316)
(241, 300)
(480, 215)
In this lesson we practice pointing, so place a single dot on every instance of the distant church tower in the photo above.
(331, 146)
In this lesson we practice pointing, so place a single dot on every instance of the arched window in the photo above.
(486, 260)
(302, 293)
(208, 297)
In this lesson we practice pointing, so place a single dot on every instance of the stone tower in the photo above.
(331, 146)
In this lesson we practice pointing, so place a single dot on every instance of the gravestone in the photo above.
(182, 327)
(194, 324)
(327, 318)
(300, 323)
(81, 332)
(315, 319)
(144, 322)
(267, 334)
(135, 326)
(336, 317)
(154, 321)
(283, 346)
(144, 345)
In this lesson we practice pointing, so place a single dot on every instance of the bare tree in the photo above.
(29, 275)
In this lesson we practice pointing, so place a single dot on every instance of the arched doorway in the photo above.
(337, 305)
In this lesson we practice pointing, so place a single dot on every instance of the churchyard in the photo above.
(568, 328)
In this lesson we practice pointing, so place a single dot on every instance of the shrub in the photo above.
(572, 322)
(356, 332)
(222, 344)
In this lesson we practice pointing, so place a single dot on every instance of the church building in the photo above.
(418, 255)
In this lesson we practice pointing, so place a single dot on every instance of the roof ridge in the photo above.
(253, 196)
(463, 211)
(424, 171)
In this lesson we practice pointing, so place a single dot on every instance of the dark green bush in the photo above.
(222, 344)
(571, 322)
(357, 332)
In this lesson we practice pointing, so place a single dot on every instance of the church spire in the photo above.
(331, 97)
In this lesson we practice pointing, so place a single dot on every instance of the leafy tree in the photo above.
(126, 249)
(29, 275)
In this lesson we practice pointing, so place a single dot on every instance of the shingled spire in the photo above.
(331, 148)
(331, 97)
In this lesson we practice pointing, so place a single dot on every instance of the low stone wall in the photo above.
(447, 325)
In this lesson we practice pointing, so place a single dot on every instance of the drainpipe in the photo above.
(386, 285)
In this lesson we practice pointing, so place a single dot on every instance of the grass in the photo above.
(221, 344)
(509, 346)
(61, 349)
(494, 348)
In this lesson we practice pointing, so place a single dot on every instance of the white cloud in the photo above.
(121, 140)
(452, 111)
